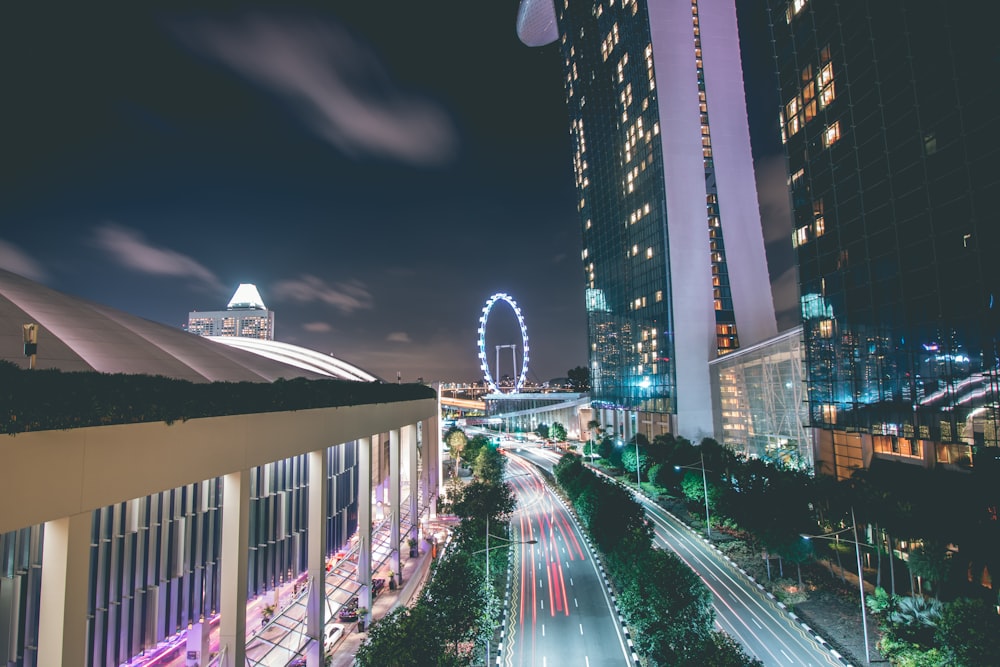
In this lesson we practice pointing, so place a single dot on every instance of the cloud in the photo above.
(785, 290)
(345, 297)
(130, 249)
(17, 261)
(333, 82)
(317, 327)
(399, 337)
(772, 196)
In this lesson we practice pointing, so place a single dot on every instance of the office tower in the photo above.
(888, 113)
(246, 316)
(673, 253)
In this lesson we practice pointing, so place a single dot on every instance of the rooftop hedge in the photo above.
(43, 400)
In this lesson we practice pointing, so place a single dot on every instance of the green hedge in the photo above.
(44, 400)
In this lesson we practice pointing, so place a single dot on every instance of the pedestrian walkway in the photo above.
(415, 571)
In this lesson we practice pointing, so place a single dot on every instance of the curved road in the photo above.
(741, 609)
(560, 610)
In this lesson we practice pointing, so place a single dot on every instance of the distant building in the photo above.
(889, 112)
(673, 254)
(244, 317)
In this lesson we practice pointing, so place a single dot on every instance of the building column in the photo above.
(233, 567)
(409, 435)
(318, 509)
(433, 438)
(197, 643)
(365, 526)
(394, 504)
(62, 618)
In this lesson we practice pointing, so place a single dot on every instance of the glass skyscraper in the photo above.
(673, 255)
(888, 112)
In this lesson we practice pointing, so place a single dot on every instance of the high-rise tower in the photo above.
(246, 316)
(889, 112)
(673, 252)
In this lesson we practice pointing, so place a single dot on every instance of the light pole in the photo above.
(704, 486)
(487, 550)
(861, 580)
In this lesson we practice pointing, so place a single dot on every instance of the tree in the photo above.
(970, 630)
(721, 650)
(402, 638)
(557, 432)
(474, 446)
(455, 606)
(666, 604)
(489, 465)
(579, 379)
(932, 562)
(480, 500)
(456, 439)
(542, 430)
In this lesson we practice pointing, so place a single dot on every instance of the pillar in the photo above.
(233, 567)
(316, 556)
(365, 525)
(197, 645)
(433, 462)
(62, 619)
(394, 453)
(409, 435)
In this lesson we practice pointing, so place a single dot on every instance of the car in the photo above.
(349, 612)
(333, 634)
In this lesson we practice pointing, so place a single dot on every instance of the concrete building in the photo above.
(115, 537)
(246, 316)
(673, 255)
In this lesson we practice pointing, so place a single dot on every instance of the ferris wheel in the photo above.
(483, 363)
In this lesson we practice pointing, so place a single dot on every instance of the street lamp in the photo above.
(487, 550)
(861, 580)
(704, 486)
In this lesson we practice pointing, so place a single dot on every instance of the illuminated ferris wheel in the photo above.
(483, 363)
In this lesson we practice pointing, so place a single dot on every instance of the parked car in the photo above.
(349, 612)
(333, 634)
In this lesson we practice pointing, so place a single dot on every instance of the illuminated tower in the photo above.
(244, 317)
(673, 253)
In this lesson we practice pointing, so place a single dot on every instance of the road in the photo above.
(741, 609)
(561, 612)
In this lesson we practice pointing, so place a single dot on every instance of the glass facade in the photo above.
(888, 115)
(154, 565)
(612, 98)
(759, 401)
(664, 180)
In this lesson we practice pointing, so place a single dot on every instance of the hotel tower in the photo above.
(673, 255)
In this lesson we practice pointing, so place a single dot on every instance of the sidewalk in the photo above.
(415, 571)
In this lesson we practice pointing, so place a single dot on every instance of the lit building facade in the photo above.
(666, 195)
(888, 113)
(246, 316)
(758, 396)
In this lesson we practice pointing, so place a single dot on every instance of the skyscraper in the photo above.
(673, 253)
(246, 316)
(888, 113)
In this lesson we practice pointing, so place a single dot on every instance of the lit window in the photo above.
(635, 250)
(826, 329)
(831, 135)
(649, 253)
(659, 295)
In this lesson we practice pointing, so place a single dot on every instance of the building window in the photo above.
(831, 135)
(793, 9)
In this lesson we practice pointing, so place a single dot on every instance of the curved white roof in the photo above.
(80, 335)
(536, 22)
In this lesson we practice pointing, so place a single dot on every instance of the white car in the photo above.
(333, 634)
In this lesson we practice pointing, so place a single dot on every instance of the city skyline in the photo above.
(377, 173)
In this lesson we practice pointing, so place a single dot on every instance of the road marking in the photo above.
(571, 581)
(575, 604)
(787, 657)
(543, 629)
(581, 628)
(756, 622)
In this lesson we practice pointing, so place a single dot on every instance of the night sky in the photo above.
(378, 170)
